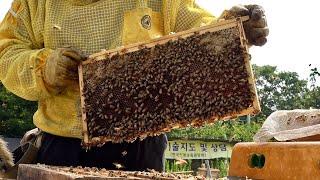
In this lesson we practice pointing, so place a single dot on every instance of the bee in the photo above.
(180, 161)
(118, 166)
(124, 153)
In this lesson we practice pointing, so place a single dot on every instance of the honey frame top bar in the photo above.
(105, 54)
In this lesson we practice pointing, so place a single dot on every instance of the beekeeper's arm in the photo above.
(23, 58)
(190, 15)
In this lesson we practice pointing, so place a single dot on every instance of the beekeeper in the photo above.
(43, 41)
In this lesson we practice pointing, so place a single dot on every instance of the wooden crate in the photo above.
(276, 160)
(44, 172)
(102, 67)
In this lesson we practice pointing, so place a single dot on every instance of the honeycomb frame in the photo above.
(90, 140)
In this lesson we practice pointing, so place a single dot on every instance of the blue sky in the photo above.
(294, 37)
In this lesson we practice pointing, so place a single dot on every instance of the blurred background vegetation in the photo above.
(15, 114)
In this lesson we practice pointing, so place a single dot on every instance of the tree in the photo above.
(221, 130)
(15, 114)
(314, 74)
(313, 96)
(283, 91)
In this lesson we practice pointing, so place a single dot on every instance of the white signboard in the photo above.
(188, 149)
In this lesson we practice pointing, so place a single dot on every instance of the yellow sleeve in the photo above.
(190, 15)
(22, 55)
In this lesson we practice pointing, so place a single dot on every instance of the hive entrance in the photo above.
(186, 80)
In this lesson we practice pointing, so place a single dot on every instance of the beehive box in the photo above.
(275, 160)
(34, 172)
(185, 79)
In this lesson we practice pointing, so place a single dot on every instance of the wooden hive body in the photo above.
(188, 78)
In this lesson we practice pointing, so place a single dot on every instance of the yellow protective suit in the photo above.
(32, 29)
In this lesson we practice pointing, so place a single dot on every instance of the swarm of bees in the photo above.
(189, 81)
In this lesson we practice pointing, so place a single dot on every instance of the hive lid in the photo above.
(288, 125)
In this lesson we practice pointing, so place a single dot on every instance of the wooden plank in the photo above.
(135, 47)
(34, 172)
(45, 172)
(30, 172)
(83, 110)
(244, 43)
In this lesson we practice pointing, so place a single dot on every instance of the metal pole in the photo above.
(208, 175)
(248, 119)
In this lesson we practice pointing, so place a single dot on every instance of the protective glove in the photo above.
(256, 27)
(61, 69)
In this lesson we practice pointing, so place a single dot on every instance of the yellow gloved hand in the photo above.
(61, 69)
(256, 27)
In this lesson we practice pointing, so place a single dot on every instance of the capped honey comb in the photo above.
(185, 79)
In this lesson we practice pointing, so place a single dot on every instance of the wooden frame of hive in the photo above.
(136, 47)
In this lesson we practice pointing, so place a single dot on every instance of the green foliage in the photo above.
(221, 163)
(312, 98)
(171, 166)
(15, 114)
(314, 75)
(222, 130)
(283, 91)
